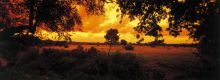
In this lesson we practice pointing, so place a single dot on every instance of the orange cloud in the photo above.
(95, 26)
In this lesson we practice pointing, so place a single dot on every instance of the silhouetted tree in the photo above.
(139, 41)
(156, 42)
(10, 23)
(111, 37)
(12, 19)
(199, 17)
(54, 15)
(124, 42)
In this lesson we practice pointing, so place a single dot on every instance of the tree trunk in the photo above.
(110, 47)
(32, 28)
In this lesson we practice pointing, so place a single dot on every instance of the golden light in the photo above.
(95, 26)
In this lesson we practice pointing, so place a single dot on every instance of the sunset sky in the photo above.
(95, 26)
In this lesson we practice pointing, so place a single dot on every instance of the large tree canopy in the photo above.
(183, 14)
(57, 15)
(199, 17)
(11, 14)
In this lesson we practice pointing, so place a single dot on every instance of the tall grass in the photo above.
(86, 64)
(77, 64)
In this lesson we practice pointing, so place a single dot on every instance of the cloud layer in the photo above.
(95, 26)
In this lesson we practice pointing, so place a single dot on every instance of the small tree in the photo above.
(124, 42)
(111, 37)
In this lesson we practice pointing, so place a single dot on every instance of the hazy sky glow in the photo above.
(95, 26)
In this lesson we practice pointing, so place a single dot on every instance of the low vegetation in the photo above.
(128, 47)
(124, 42)
(77, 64)
(25, 63)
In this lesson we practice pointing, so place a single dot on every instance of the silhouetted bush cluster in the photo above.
(77, 64)
(124, 42)
(128, 47)
(27, 39)
(25, 63)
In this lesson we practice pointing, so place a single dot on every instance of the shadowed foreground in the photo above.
(91, 62)
(171, 63)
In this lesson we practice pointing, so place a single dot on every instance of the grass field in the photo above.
(174, 63)
(159, 62)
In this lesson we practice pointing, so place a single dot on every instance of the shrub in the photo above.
(81, 65)
(124, 42)
(29, 40)
(92, 52)
(128, 47)
(79, 52)
(127, 67)
(117, 66)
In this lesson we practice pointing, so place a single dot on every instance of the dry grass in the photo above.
(170, 62)
(138, 49)
(160, 63)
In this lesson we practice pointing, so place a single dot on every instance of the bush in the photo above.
(127, 67)
(92, 52)
(29, 40)
(124, 42)
(117, 66)
(79, 64)
(128, 47)
(79, 52)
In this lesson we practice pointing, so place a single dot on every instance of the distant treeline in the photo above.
(61, 43)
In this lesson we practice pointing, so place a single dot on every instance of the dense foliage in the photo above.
(199, 17)
(55, 15)
(124, 42)
(112, 36)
